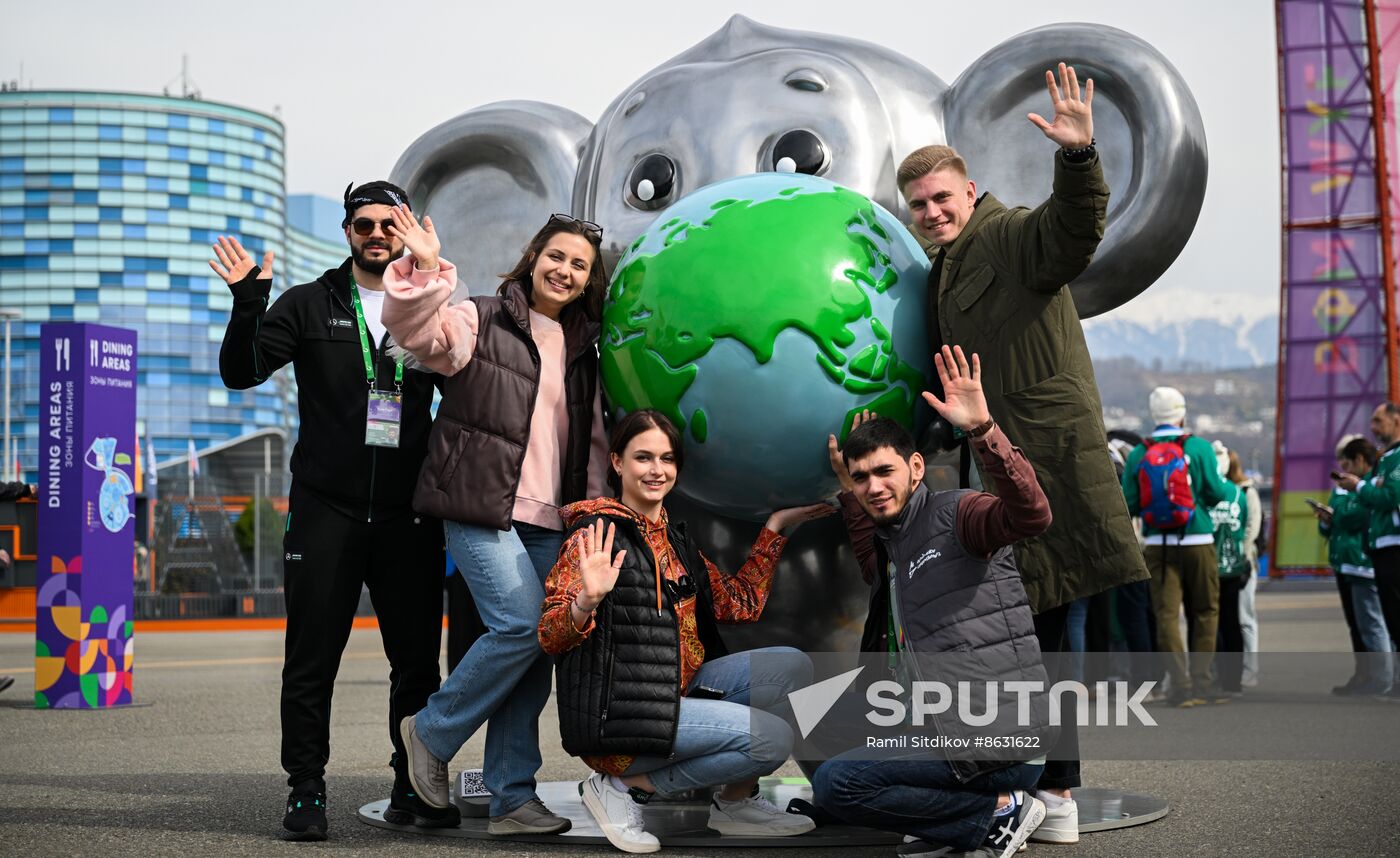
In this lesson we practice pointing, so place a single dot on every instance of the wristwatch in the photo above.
(981, 429)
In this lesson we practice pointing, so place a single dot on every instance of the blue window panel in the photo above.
(36, 245)
(85, 198)
(179, 201)
(160, 298)
(133, 230)
(60, 245)
(259, 135)
(216, 126)
(216, 157)
(109, 181)
(203, 236)
(133, 278)
(179, 153)
(157, 183)
(60, 180)
(216, 189)
(85, 230)
(32, 196)
(109, 213)
(36, 212)
(109, 132)
(109, 278)
(11, 164)
(61, 312)
(11, 180)
(158, 379)
(144, 263)
(247, 195)
(25, 263)
(11, 230)
(157, 216)
(133, 165)
(179, 281)
(245, 162)
(157, 135)
(179, 121)
(234, 223)
(109, 165)
(85, 296)
(61, 114)
(199, 299)
(199, 171)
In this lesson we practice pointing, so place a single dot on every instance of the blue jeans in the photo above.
(921, 797)
(1370, 626)
(732, 739)
(504, 679)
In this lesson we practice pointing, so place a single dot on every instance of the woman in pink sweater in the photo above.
(518, 434)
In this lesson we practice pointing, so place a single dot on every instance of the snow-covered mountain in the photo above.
(1181, 326)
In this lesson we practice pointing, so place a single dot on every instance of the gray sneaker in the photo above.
(532, 817)
(427, 773)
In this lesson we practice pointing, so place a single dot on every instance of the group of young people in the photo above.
(600, 586)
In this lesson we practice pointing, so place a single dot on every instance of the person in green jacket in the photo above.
(1232, 565)
(1344, 522)
(998, 287)
(1183, 561)
(1379, 493)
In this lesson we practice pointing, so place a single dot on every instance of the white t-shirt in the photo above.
(373, 304)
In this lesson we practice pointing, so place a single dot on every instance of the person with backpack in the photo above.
(1231, 518)
(1171, 481)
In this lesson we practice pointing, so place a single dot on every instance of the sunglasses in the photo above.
(365, 226)
(591, 229)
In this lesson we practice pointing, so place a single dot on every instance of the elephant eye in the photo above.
(652, 182)
(800, 151)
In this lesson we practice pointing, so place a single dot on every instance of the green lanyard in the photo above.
(364, 341)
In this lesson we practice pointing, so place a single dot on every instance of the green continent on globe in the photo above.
(729, 277)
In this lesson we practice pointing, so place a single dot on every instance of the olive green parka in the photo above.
(1000, 290)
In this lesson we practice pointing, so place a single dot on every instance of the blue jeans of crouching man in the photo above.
(921, 796)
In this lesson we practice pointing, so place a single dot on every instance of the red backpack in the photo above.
(1164, 485)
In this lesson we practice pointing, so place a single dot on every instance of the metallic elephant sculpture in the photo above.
(754, 98)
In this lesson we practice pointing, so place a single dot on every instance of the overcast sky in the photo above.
(356, 82)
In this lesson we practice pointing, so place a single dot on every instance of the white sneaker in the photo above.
(1061, 823)
(617, 813)
(756, 816)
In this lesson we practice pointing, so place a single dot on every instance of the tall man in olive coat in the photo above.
(998, 288)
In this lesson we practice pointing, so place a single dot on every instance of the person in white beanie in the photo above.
(1172, 481)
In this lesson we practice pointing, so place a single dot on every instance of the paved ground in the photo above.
(193, 769)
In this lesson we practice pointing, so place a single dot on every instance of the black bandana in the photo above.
(372, 193)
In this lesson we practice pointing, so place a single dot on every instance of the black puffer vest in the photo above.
(619, 690)
(478, 442)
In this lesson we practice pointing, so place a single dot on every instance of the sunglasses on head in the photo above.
(365, 226)
(591, 229)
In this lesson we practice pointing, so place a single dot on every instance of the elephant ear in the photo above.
(1151, 143)
(489, 178)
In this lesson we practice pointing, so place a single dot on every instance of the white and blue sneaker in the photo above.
(1011, 829)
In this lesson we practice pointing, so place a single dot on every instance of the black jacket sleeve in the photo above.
(259, 340)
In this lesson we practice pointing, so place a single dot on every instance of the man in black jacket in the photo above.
(363, 437)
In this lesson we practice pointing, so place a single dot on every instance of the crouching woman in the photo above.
(648, 696)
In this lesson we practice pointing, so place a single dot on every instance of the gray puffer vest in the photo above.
(960, 618)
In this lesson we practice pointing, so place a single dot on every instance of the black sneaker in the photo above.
(306, 816)
(406, 808)
(1010, 830)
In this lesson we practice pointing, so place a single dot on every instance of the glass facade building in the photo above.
(109, 203)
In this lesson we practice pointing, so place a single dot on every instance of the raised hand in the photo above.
(833, 452)
(597, 567)
(234, 263)
(784, 518)
(963, 403)
(1073, 127)
(420, 239)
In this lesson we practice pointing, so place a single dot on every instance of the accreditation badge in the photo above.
(383, 416)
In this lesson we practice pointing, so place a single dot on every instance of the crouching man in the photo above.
(971, 600)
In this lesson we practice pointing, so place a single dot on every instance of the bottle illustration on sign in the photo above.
(112, 505)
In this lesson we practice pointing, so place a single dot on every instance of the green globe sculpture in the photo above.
(761, 314)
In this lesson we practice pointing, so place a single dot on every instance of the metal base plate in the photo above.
(682, 823)
(679, 823)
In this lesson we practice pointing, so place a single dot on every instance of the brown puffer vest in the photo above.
(478, 441)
